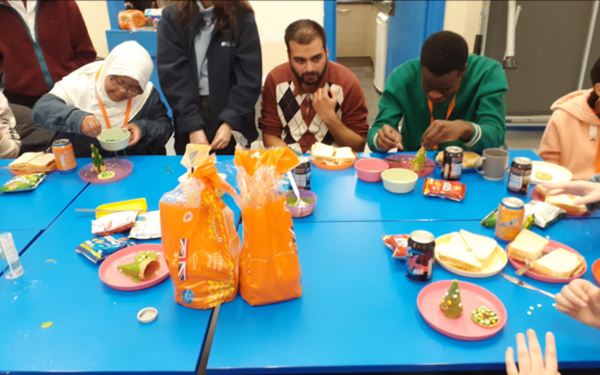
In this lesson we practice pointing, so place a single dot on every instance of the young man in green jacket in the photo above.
(446, 97)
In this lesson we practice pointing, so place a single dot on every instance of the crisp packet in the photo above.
(100, 248)
(147, 226)
(397, 243)
(114, 223)
(544, 214)
(453, 190)
(23, 183)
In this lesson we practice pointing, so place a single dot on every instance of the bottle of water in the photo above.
(9, 250)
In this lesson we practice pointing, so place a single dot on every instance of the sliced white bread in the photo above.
(560, 263)
(483, 247)
(323, 152)
(469, 158)
(458, 257)
(23, 160)
(344, 155)
(42, 162)
(566, 202)
(528, 246)
(542, 191)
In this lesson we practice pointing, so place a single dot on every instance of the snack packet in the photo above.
(100, 248)
(23, 183)
(114, 223)
(147, 226)
(397, 243)
(452, 190)
(544, 214)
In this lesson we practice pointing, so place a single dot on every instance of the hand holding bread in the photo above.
(587, 192)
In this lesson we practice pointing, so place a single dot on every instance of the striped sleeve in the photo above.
(476, 135)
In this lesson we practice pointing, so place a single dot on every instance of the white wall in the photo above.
(272, 17)
(95, 14)
(462, 17)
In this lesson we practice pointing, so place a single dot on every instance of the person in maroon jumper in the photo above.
(40, 43)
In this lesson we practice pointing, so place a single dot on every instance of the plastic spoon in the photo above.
(300, 202)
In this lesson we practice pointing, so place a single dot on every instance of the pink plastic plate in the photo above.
(461, 328)
(405, 161)
(553, 245)
(121, 167)
(110, 274)
(538, 197)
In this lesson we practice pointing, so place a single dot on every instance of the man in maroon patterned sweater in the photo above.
(40, 43)
(311, 99)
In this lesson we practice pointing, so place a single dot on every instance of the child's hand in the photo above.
(580, 299)
(587, 190)
(532, 362)
(136, 134)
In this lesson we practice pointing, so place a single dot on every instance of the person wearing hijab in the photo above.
(115, 93)
(209, 65)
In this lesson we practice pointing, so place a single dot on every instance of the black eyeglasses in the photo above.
(132, 90)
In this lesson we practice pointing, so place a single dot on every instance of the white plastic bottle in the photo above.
(7, 246)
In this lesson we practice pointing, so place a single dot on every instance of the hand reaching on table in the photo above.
(580, 299)
(587, 190)
(388, 138)
(441, 131)
(532, 362)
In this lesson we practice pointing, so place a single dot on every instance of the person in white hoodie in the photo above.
(571, 137)
(10, 142)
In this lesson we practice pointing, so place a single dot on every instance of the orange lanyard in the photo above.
(450, 107)
(104, 109)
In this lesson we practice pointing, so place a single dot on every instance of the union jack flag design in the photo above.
(183, 252)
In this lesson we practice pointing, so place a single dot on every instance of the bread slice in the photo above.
(322, 152)
(344, 155)
(483, 247)
(458, 257)
(24, 159)
(566, 202)
(469, 158)
(528, 246)
(560, 264)
(542, 191)
(43, 161)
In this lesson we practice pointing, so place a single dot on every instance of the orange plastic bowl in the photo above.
(596, 271)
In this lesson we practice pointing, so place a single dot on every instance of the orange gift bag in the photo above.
(199, 240)
(269, 266)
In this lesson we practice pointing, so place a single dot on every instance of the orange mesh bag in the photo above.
(199, 239)
(269, 266)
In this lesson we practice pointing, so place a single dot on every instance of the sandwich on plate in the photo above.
(467, 251)
(34, 161)
(330, 155)
(560, 264)
(528, 246)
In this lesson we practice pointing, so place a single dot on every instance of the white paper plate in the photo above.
(559, 174)
(496, 265)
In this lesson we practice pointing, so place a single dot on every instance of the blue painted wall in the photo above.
(330, 26)
(413, 22)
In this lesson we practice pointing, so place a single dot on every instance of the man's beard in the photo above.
(304, 82)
